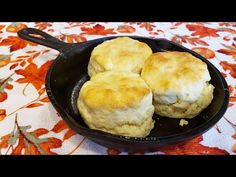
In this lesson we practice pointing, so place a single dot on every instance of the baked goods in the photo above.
(179, 82)
(119, 54)
(117, 102)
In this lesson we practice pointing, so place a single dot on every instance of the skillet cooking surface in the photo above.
(163, 126)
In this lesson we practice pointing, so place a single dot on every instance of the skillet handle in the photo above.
(44, 39)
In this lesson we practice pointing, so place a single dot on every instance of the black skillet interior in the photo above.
(69, 72)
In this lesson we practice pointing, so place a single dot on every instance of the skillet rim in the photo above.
(163, 139)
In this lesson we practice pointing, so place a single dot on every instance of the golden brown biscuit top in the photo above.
(121, 53)
(113, 89)
(174, 71)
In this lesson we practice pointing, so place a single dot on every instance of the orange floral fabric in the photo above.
(30, 125)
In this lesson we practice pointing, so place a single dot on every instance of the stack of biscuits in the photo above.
(128, 83)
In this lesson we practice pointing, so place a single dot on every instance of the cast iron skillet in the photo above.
(69, 71)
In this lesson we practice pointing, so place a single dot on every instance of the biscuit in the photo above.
(179, 82)
(119, 54)
(117, 102)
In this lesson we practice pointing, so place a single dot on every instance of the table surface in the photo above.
(30, 125)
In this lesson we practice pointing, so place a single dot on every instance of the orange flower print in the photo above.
(72, 38)
(97, 30)
(2, 114)
(227, 52)
(146, 25)
(15, 43)
(34, 75)
(202, 31)
(60, 126)
(3, 96)
(193, 147)
(126, 29)
(42, 25)
(191, 40)
(229, 66)
(231, 50)
(15, 27)
(205, 52)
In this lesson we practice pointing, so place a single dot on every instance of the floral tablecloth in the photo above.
(30, 125)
